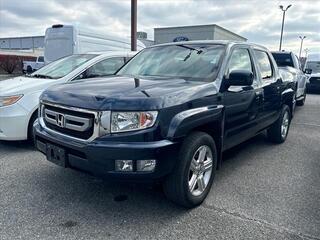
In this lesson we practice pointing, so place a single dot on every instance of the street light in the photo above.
(283, 16)
(301, 45)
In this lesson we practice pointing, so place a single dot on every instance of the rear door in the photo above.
(272, 87)
(243, 104)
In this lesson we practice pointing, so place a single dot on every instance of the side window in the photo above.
(240, 60)
(104, 68)
(264, 64)
(40, 59)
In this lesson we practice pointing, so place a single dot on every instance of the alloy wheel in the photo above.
(200, 170)
(285, 125)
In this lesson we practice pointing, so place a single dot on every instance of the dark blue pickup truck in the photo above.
(167, 115)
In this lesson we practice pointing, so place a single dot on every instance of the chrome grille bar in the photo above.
(67, 121)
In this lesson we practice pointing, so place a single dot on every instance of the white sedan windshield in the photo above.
(63, 66)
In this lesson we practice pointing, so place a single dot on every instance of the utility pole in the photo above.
(133, 25)
(283, 17)
(301, 45)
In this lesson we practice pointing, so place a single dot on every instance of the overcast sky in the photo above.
(259, 21)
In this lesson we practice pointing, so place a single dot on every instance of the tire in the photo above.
(177, 185)
(30, 127)
(278, 131)
(302, 101)
(294, 104)
(29, 69)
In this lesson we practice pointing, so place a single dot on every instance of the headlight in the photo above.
(6, 101)
(130, 121)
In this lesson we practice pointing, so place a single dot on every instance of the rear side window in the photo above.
(105, 67)
(283, 59)
(264, 64)
(40, 59)
(240, 60)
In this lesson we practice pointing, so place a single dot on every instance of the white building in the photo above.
(197, 32)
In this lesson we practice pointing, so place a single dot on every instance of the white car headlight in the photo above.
(131, 121)
(9, 100)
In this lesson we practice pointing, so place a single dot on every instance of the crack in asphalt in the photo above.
(260, 222)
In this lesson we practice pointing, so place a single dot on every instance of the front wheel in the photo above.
(30, 128)
(191, 180)
(278, 131)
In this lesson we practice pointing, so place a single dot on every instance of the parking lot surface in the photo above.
(263, 191)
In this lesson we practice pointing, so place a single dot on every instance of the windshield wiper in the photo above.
(199, 51)
(41, 76)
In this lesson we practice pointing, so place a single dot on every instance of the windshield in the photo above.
(63, 66)
(314, 66)
(190, 62)
(283, 59)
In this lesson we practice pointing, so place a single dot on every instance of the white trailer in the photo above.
(63, 40)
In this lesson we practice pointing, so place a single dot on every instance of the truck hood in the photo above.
(24, 85)
(127, 93)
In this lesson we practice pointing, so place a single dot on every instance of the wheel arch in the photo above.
(208, 119)
(287, 99)
(32, 115)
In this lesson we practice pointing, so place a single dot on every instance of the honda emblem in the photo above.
(60, 119)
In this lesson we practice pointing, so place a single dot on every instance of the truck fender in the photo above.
(209, 119)
(287, 98)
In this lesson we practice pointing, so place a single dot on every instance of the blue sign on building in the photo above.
(180, 39)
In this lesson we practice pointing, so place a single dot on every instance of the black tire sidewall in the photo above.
(30, 127)
(187, 151)
(29, 69)
(284, 110)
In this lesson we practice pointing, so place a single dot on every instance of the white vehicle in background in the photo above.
(31, 66)
(312, 69)
(19, 97)
(63, 40)
(289, 63)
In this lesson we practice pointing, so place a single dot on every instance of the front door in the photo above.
(243, 104)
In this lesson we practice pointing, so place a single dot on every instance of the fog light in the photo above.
(123, 165)
(146, 165)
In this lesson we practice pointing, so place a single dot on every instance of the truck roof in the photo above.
(112, 53)
(222, 42)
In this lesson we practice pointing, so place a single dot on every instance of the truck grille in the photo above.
(78, 124)
(315, 80)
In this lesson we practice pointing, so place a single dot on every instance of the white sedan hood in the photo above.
(23, 85)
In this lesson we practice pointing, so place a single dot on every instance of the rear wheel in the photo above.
(191, 180)
(278, 131)
(29, 69)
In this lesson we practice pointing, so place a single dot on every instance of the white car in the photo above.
(31, 66)
(19, 97)
(312, 69)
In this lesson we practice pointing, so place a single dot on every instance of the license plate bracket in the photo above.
(56, 155)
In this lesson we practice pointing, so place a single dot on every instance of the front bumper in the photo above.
(98, 157)
(13, 122)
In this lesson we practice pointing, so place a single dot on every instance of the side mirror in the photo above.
(308, 71)
(240, 78)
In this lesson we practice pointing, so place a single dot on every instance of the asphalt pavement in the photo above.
(263, 191)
